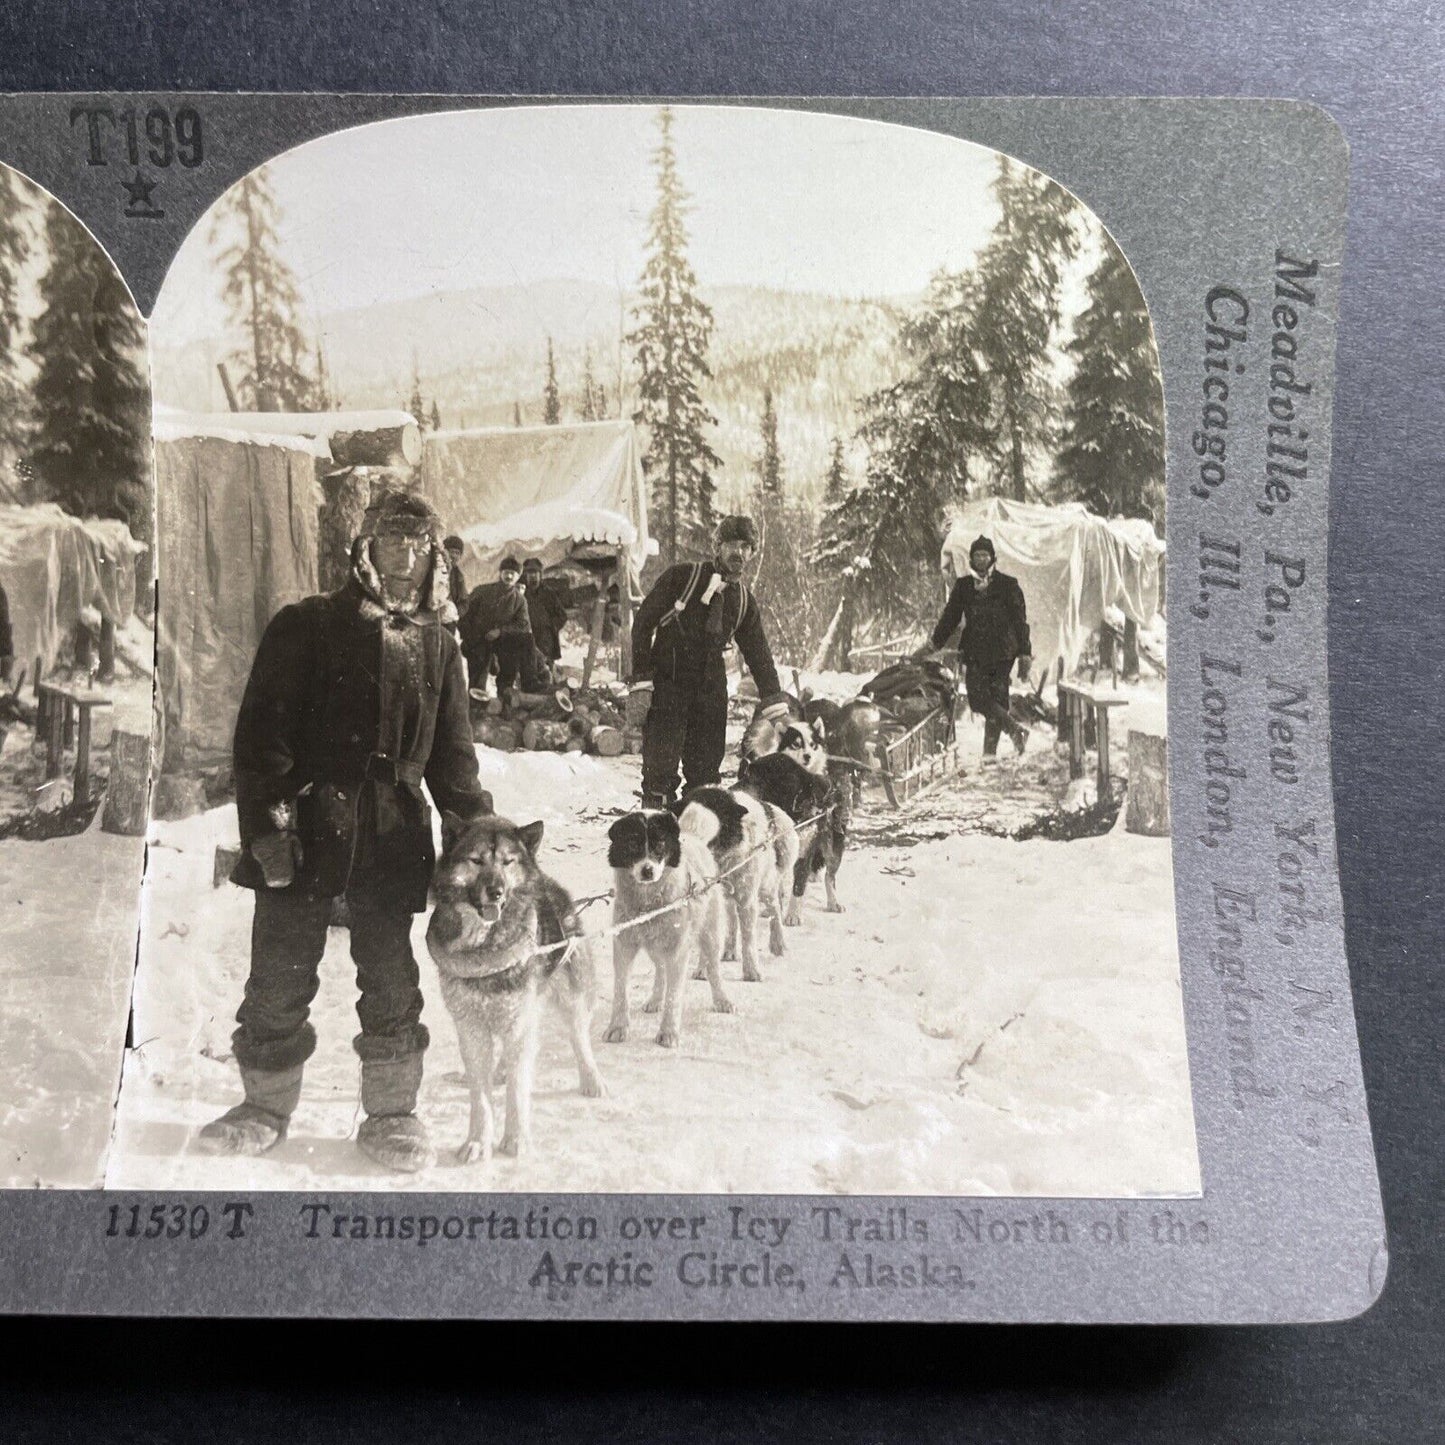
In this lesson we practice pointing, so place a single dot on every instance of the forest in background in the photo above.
(852, 429)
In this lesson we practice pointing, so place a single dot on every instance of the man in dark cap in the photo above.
(548, 615)
(496, 624)
(354, 700)
(990, 605)
(680, 636)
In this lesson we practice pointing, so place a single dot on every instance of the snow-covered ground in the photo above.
(68, 918)
(987, 1017)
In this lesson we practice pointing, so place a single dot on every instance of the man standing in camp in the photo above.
(456, 582)
(548, 616)
(679, 670)
(990, 605)
(496, 623)
(353, 700)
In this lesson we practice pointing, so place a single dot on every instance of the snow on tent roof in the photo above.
(1071, 564)
(52, 565)
(538, 490)
(243, 428)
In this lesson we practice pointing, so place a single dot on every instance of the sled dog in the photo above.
(496, 915)
(657, 860)
(811, 803)
(755, 850)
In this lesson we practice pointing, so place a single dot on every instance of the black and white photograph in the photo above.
(76, 662)
(661, 674)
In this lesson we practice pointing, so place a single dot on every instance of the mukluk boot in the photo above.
(260, 1122)
(391, 1133)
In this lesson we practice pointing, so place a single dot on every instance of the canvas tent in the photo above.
(52, 565)
(1071, 564)
(542, 491)
(237, 524)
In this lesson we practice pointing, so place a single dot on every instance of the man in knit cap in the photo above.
(496, 624)
(990, 605)
(355, 698)
(680, 637)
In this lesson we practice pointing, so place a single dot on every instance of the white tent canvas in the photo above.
(539, 491)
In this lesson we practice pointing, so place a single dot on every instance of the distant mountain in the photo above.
(481, 353)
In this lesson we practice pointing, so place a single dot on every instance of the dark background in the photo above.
(1377, 67)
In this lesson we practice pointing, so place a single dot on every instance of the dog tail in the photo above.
(699, 822)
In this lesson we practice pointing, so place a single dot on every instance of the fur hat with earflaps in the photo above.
(983, 544)
(411, 515)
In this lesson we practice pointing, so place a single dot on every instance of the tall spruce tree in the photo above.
(671, 340)
(90, 448)
(835, 483)
(594, 395)
(925, 435)
(1019, 275)
(324, 398)
(415, 406)
(15, 203)
(436, 415)
(551, 396)
(517, 413)
(1112, 457)
(770, 463)
(263, 299)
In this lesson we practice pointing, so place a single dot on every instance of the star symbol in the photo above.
(139, 190)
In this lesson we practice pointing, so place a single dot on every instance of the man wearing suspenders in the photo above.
(680, 638)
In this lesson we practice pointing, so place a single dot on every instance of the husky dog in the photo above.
(810, 802)
(657, 860)
(496, 917)
(756, 848)
(805, 739)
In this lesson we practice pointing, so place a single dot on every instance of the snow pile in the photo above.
(987, 1017)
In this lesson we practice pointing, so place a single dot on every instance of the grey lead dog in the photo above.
(505, 939)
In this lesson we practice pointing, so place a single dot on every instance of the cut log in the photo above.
(387, 446)
(127, 795)
(575, 744)
(607, 741)
(542, 734)
(496, 733)
(1148, 806)
(356, 438)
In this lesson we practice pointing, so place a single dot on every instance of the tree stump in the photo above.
(127, 795)
(1148, 806)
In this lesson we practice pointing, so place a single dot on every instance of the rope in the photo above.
(614, 929)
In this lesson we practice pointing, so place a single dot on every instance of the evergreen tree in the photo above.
(924, 433)
(263, 299)
(671, 340)
(551, 397)
(516, 413)
(91, 442)
(835, 484)
(1019, 272)
(436, 416)
(1112, 457)
(14, 249)
(770, 464)
(415, 405)
(325, 401)
(594, 395)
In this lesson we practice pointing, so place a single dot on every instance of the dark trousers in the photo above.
(510, 650)
(687, 725)
(987, 686)
(288, 937)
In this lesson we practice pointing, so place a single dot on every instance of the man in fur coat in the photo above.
(354, 699)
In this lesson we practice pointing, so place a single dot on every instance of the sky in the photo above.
(502, 197)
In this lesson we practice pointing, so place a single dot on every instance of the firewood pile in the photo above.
(569, 720)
